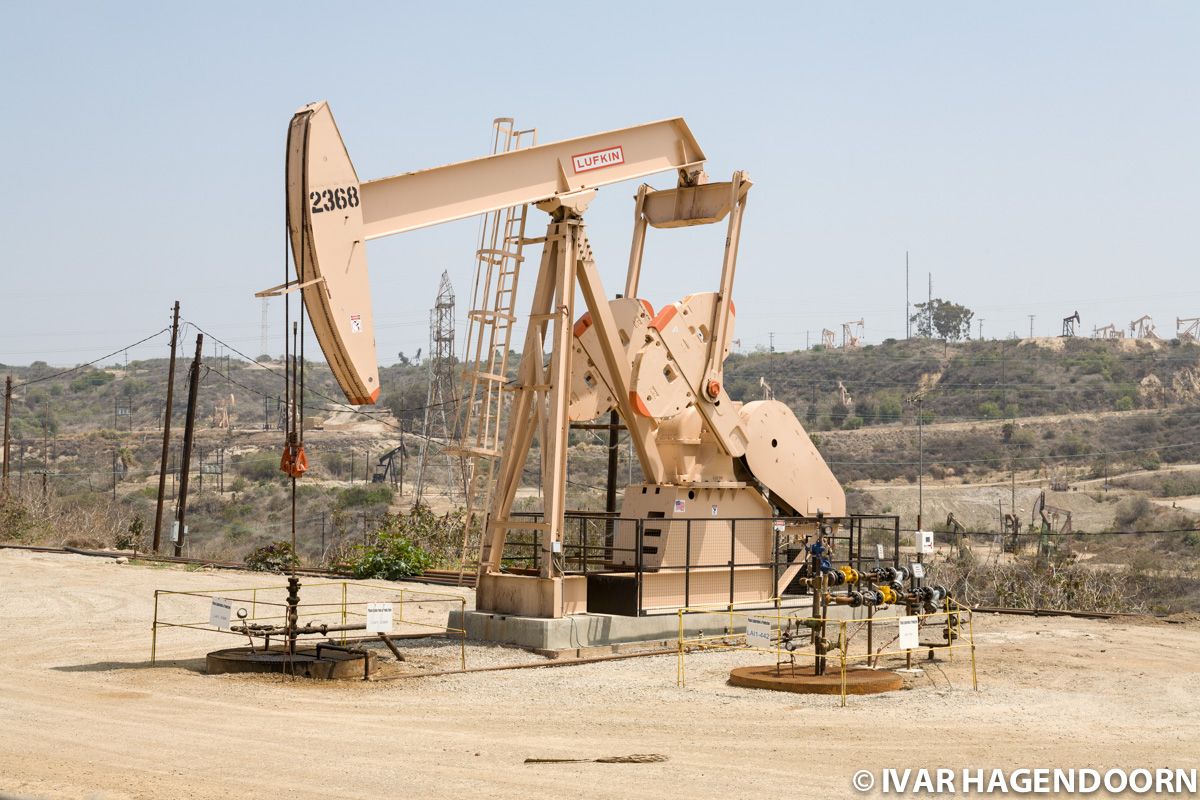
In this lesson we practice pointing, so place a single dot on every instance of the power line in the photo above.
(92, 363)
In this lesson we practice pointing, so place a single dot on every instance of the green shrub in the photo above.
(890, 408)
(1134, 512)
(391, 556)
(989, 410)
(274, 557)
(1125, 403)
(90, 379)
(259, 468)
(132, 537)
(238, 531)
(370, 495)
(852, 423)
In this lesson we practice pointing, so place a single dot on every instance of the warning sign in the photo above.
(909, 638)
(218, 613)
(355, 323)
(598, 159)
(680, 507)
(379, 617)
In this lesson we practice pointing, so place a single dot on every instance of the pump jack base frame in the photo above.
(859, 680)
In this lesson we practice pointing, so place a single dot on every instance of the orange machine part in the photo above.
(294, 462)
(582, 325)
(664, 317)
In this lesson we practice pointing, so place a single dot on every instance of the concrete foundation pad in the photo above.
(587, 631)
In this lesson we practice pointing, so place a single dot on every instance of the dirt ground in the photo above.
(83, 713)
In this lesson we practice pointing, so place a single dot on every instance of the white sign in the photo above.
(598, 159)
(758, 632)
(909, 639)
(779, 526)
(680, 507)
(218, 613)
(355, 323)
(879, 552)
(923, 542)
(714, 511)
(918, 570)
(379, 617)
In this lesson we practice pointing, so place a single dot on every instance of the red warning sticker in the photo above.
(598, 159)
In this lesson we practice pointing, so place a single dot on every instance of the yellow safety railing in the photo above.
(337, 602)
(953, 614)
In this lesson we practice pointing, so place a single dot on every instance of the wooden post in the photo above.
(7, 436)
(189, 428)
(166, 445)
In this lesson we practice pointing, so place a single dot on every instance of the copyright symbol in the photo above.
(863, 780)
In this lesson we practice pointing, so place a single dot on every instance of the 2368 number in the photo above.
(332, 199)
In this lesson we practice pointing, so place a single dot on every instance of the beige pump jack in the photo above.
(698, 449)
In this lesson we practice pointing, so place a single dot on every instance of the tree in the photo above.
(947, 320)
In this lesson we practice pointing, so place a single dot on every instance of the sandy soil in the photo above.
(83, 714)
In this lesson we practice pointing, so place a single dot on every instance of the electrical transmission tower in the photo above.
(441, 403)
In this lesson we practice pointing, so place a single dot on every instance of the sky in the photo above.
(1033, 158)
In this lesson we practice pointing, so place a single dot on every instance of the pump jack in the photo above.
(703, 455)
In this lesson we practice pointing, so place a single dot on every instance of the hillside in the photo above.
(992, 412)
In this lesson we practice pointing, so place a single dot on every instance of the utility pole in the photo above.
(980, 329)
(1031, 326)
(7, 437)
(907, 305)
(114, 477)
(1012, 472)
(610, 488)
(918, 400)
(771, 338)
(189, 428)
(921, 461)
(166, 444)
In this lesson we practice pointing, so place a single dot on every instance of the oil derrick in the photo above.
(828, 339)
(1069, 324)
(1109, 331)
(1187, 329)
(441, 402)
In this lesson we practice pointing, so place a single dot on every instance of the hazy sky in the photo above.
(1037, 158)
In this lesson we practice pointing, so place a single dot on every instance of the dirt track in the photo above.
(84, 715)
